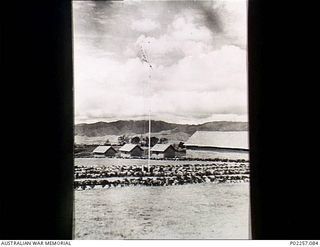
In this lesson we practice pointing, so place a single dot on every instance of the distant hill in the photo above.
(172, 131)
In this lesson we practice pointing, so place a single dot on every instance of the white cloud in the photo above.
(183, 38)
(234, 16)
(145, 25)
(183, 28)
(193, 79)
(197, 85)
(215, 71)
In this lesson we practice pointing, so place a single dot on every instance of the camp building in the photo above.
(131, 150)
(161, 151)
(218, 144)
(102, 151)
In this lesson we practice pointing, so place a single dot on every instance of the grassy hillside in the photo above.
(131, 127)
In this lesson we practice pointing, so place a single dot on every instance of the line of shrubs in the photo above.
(159, 175)
(164, 170)
(158, 181)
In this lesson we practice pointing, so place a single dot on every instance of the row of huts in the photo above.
(202, 144)
(134, 151)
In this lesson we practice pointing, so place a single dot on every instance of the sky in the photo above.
(197, 50)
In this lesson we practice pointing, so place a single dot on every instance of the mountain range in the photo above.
(158, 128)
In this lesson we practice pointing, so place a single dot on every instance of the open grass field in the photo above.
(192, 211)
(119, 161)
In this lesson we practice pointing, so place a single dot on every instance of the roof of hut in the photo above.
(129, 147)
(161, 147)
(102, 149)
(220, 139)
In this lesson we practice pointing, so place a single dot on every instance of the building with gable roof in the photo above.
(161, 151)
(104, 151)
(131, 150)
(218, 144)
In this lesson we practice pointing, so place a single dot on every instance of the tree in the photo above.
(121, 140)
(153, 141)
(163, 140)
(181, 145)
(126, 139)
(135, 140)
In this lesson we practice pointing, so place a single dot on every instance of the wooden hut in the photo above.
(162, 151)
(104, 151)
(131, 151)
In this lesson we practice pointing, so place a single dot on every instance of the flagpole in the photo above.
(149, 90)
(149, 149)
(145, 59)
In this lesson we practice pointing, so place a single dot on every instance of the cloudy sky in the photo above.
(197, 50)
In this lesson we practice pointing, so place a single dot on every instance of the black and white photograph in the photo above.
(161, 135)
(137, 120)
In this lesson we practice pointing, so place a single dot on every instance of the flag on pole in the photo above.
(143, 56)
